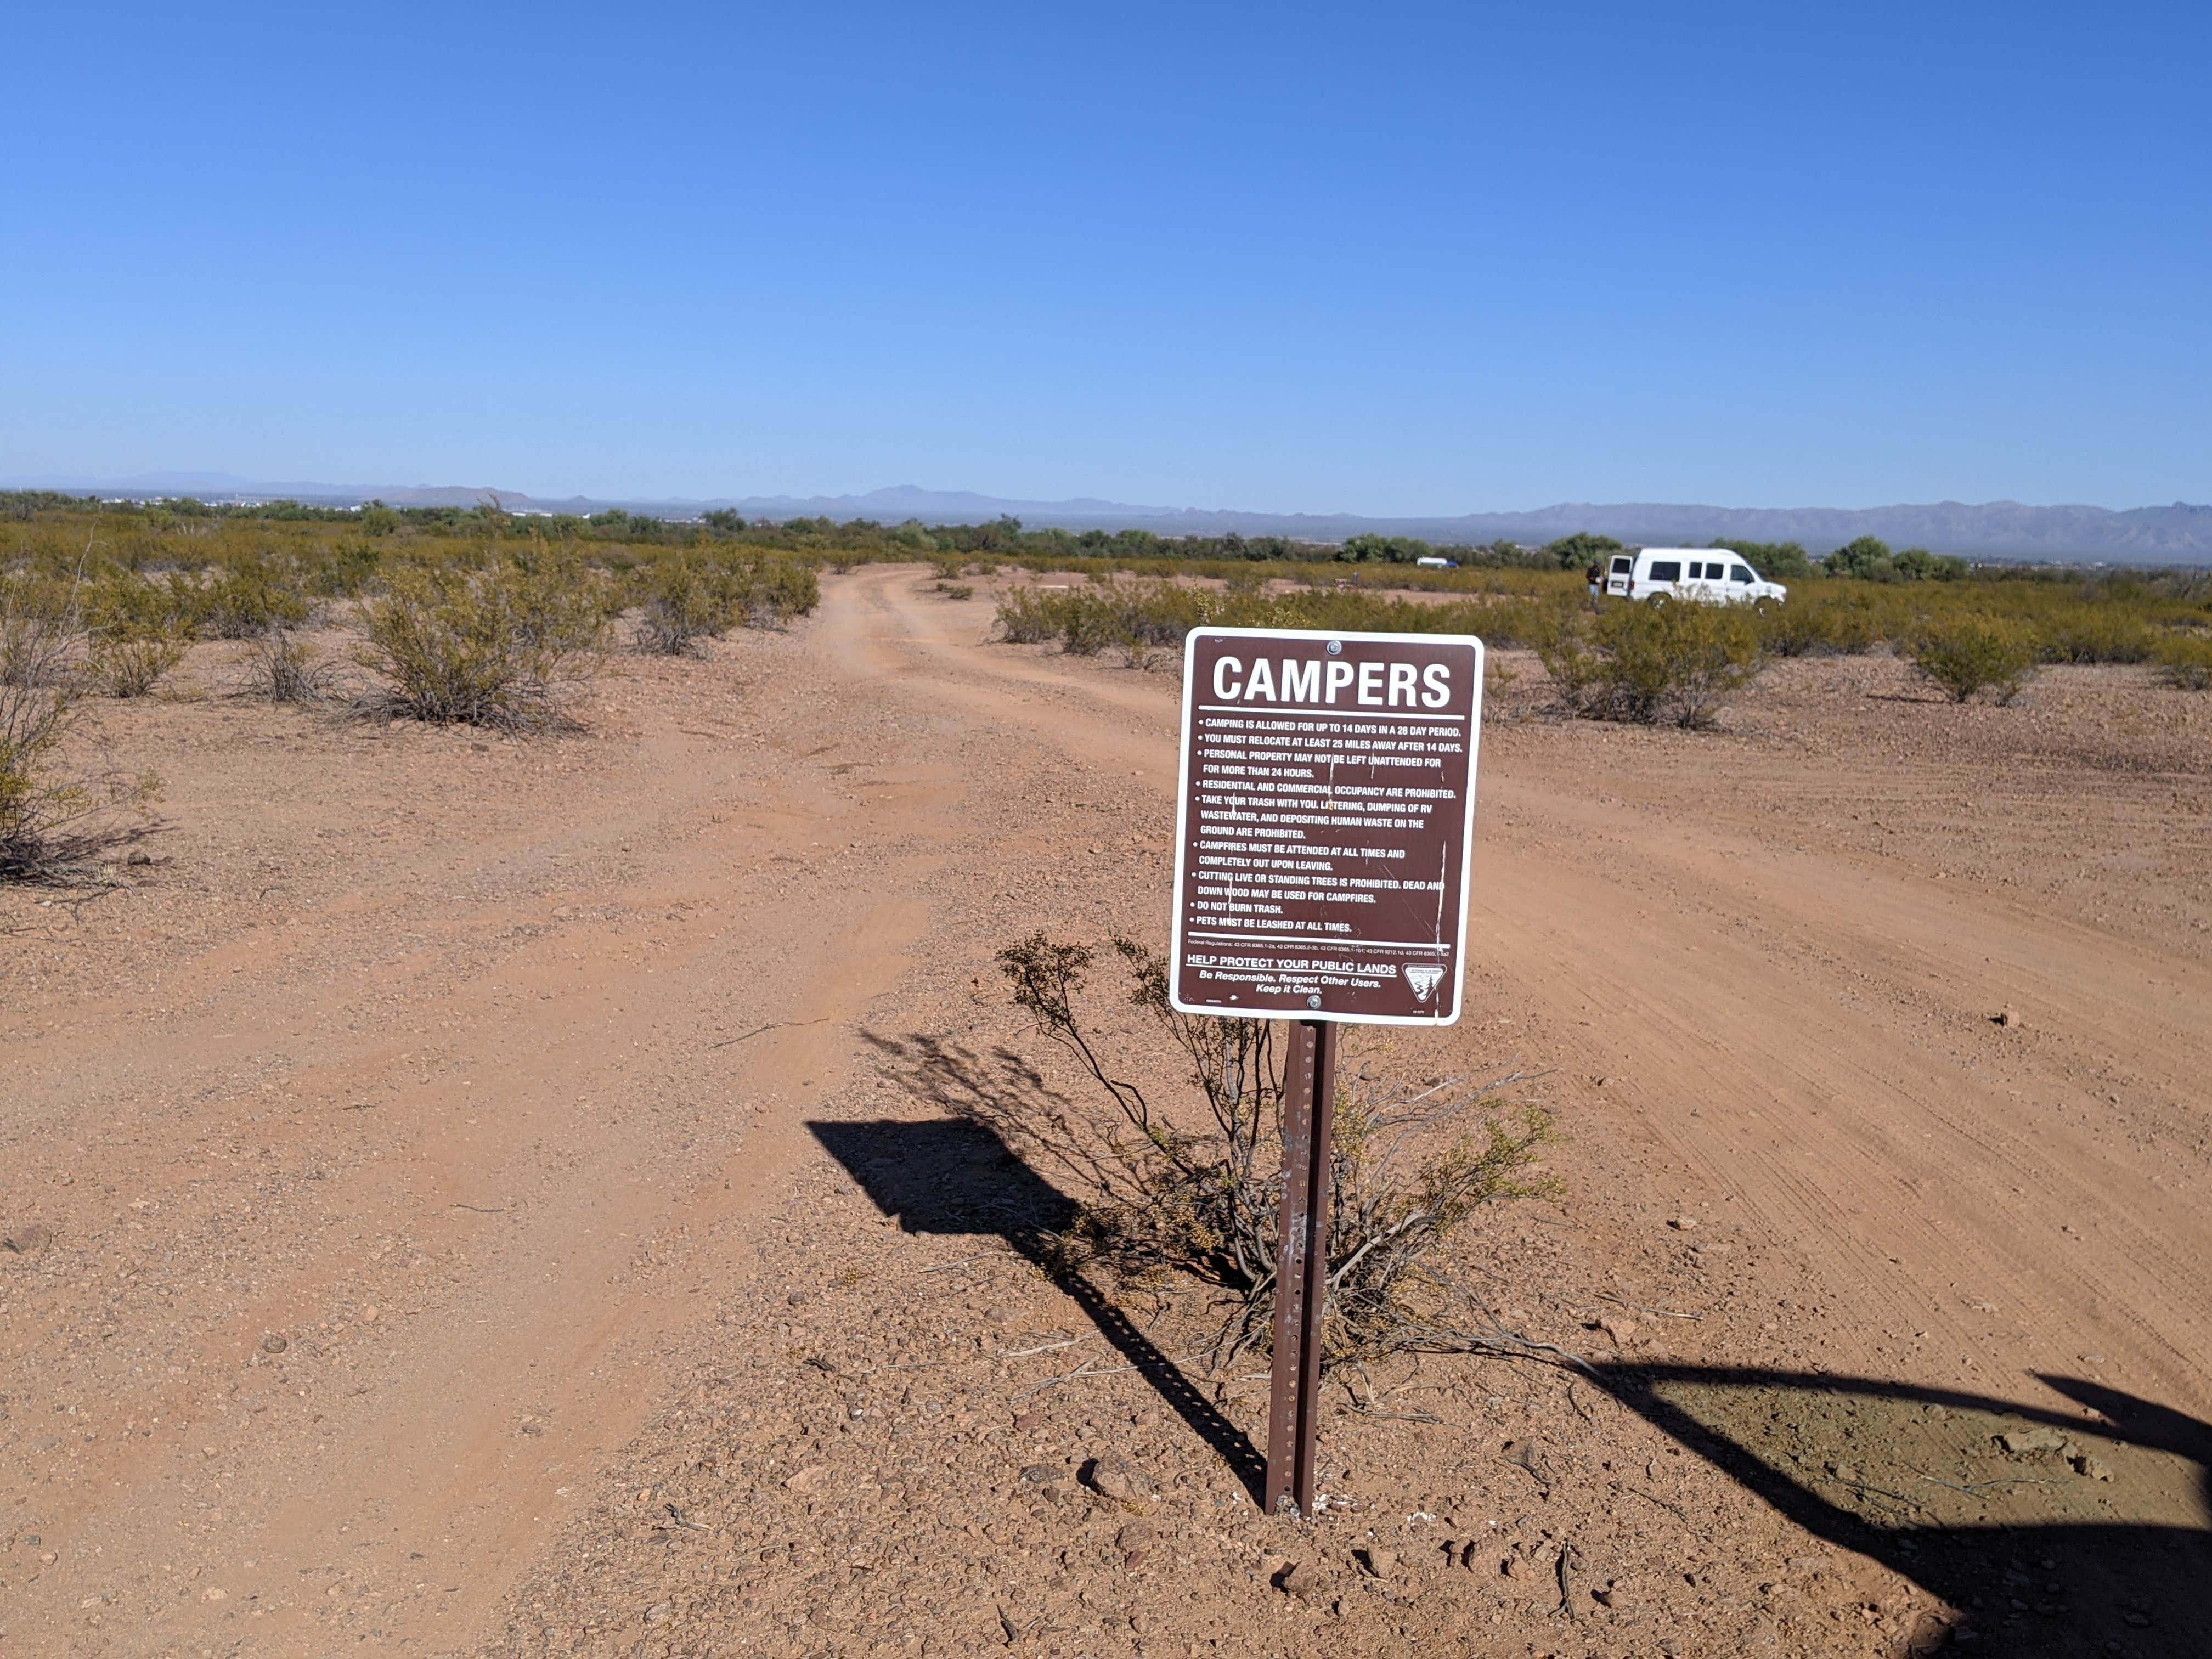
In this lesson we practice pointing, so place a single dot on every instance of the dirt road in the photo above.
(378, 1156)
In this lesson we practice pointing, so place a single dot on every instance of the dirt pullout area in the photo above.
(468, 1195)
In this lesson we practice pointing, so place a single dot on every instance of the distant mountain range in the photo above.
(2179, 534)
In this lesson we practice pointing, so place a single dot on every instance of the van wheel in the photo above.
(1657, 600)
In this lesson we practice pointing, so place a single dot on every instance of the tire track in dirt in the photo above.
(569, 1150)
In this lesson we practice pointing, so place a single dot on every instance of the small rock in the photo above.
(27, 1241)
(1135, 1535)
(998, 1316)
(2095, 1468)
(1604, 1595)
(1121, 1479)
(1308, 1583)
(273, 1343)
(2021, 1441)
(1038, 1475)
(1620, 1330)
(368, 1315)
(1684, 1224)
(1512, 1567)
(1377, 1562)
(1028, 1420)
(2008, 1018)
(808, 1478)
(139, 860)
(215, 1595)
(659, 1612)
(1275, 1568)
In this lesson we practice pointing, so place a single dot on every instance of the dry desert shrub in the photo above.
(279, 668)
(1411, 1160)
(495, 648)
(47, 820)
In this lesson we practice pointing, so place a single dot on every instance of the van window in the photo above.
(1623, 565)
(1666, 570)
(1740, 572)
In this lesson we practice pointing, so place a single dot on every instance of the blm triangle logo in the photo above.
(1423, 981)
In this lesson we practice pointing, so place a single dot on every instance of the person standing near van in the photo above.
(1595, 577)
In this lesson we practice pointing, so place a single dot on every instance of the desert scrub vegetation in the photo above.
(279, 668)
(701, 592)
(49, 817)
(1966, 655)
(496, 647)
(2184, 661)
(1194, 1188)
(1653, 664)
(1150, 614)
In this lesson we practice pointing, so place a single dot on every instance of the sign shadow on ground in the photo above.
(958, 1177)
(2057, 1533)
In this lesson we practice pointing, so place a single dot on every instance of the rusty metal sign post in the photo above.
(1324, 823)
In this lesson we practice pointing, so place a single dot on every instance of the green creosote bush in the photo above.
(1195, 1188)
(1651, 663)
(1027, 616)
(1965, 656)
(246, 598)
(130, 661)
(347, 571)
(492, 649)
(1822, 623)
(684, 605)
(702, 592)
(2184, 661)
(2087, 636)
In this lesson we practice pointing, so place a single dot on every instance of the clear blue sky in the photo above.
(1378, 259)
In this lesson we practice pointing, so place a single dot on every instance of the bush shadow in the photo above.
(956, 1175)
(2052, 1533)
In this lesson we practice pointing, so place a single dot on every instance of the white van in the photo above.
(1710, 574)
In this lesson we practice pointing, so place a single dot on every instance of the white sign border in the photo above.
(1183, 813)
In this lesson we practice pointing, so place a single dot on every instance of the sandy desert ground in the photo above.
(470, 1195)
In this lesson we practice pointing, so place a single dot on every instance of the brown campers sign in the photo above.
(1324, 823)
